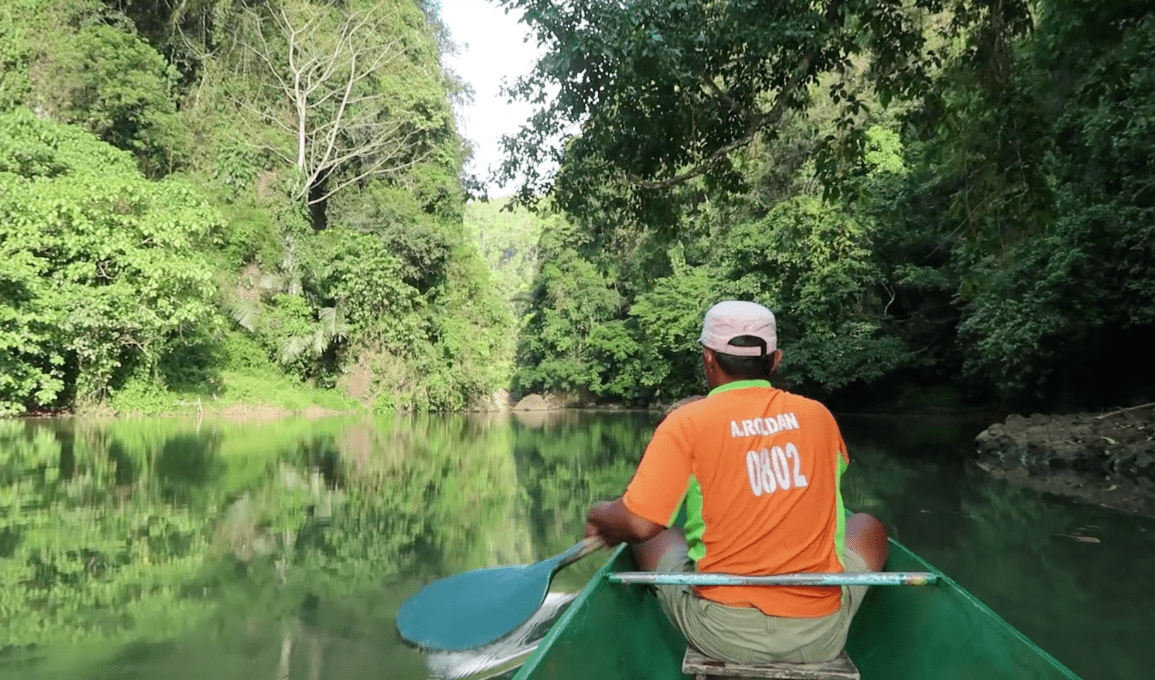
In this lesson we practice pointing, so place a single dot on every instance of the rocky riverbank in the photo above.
(1108, 459)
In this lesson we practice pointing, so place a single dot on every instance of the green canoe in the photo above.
(938, 632)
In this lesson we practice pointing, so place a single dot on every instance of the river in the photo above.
(141, 549)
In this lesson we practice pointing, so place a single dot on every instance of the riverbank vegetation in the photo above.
(200, 196)
(215, 203)
(931, 195)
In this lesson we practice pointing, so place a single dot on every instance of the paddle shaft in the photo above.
(870, 578)
(580, 550)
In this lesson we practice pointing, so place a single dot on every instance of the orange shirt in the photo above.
(759, 470)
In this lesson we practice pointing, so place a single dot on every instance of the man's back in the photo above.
(759, 470)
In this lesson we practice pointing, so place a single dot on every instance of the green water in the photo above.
(160, 548)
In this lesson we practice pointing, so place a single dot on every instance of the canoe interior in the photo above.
(937, 632)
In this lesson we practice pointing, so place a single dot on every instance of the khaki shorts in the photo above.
(745, 634)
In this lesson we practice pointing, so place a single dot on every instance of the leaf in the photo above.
(319, 341)
(273, 282)
(329, 319)
(294, 347)
(246, 312)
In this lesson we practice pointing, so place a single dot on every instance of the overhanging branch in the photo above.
(758, 121)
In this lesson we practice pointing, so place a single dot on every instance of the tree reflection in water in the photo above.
(146, 548)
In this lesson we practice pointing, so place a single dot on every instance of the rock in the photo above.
(532, 419)
(1072, 453)
(532, 402)
(1145, 463)
(489, 403)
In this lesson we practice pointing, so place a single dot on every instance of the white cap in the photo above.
(732, 318)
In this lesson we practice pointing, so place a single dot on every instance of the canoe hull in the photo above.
(937, 632)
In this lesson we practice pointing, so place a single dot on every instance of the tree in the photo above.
(333, 83)
(663, 92)
(572, 299)
(103, 273)
(812, 264)
(78, 63)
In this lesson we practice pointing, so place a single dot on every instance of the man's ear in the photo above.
(709, 366)
(775, 359)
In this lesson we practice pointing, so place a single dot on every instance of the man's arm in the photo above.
(614, 523)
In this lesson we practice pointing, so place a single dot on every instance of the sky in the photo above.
(492, 47)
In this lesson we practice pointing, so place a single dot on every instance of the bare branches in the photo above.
(327, 73)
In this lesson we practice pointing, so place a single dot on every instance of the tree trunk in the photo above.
(318, 201)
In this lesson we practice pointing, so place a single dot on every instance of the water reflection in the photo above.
(157, 548)
(149, 548)
(505, 655)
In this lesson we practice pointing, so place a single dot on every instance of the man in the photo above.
(758, 469)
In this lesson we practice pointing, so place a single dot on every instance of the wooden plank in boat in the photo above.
(702, 666)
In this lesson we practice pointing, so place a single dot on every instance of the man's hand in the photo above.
(613, 522)
(599, 509)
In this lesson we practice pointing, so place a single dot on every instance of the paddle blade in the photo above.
(474, 608)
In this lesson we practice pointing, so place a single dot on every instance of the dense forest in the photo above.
(213, 201)
(943, 202)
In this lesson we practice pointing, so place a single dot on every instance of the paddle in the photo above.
(476, 607)
(851, 578)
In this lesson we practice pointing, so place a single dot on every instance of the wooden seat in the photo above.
(703, 667)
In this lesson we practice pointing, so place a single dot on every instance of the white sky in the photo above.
(492, 48)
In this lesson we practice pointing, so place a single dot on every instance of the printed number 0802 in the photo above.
(769, 469)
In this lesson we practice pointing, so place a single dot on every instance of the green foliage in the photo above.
(339, 97)
(407, 229)
(991, 230)
(664, 92)
(141, 393)
(117, 86)
(107, 270)
(116, 286)
(15, 55)
(1055, 269)
(808, 260)
(446, 357)
(508, 240)
(812, 264)
(985, 217)
(883, 152)
(655, 354)
(79, 63)
(571, 300)
(341, 296)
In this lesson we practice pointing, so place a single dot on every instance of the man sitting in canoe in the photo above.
(758, 469)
